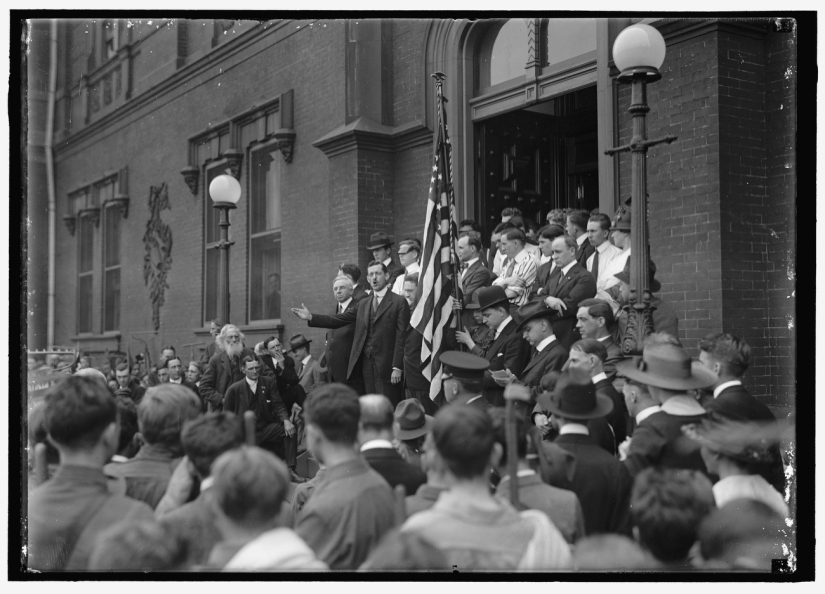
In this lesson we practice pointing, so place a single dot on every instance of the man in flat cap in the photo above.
(462, 375)
(380, 245)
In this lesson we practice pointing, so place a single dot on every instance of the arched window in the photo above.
(563, 39)
(502, 54)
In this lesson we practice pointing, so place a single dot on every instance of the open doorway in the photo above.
(538, 158)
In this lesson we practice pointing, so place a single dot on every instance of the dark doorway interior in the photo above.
(537, 159)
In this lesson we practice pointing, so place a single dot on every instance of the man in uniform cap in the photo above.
(600, 480)
(668, 373)
(462, 375)
(380, 247)
(507, 350)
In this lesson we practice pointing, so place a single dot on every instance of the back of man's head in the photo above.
(207, 437)
(335, 411)
(78, 410)
(500, 432)
(250, 485)
(138, 546)
(127, 410)
(163, 411)
(464, 439)
(731, 352)
(666, 507)
(376, 413)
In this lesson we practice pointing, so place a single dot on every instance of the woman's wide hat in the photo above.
(667, 366)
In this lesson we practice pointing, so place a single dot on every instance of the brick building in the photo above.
(328, 125)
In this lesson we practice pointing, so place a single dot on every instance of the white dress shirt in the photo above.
(252, 385)
(611, 270)
(642, 415)
(380, 294)
(525, 268)
(469, 264)
(342, 307)
(607, 253)
(498, 260)
(718, 389)
(398, 285)
(598, 377)
(581, 239)
(375, 444)
(503, 324)
(574, 428)
(541, 346)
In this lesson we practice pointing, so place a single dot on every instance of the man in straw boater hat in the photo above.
(600, 481)
(380, 245)
(507, 350)
(462, 376)
(668, 373)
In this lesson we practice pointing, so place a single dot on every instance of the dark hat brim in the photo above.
(604, 406)
(404, 434)
(380, 245)
(545, 313)
(294, 347)
(655, 286)
(699, 377)
(495, 303)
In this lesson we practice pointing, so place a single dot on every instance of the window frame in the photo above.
(110, 210)
(86, 223)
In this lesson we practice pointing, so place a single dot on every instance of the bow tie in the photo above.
(464, 266)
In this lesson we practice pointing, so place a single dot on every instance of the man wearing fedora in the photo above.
(413, 429)
(668, 373)
(570, 285)
(307, 368)
(381, 323)
(375, 434)
(462, 375)
(600, 481)
(546, 352)
(380, 245)
(664, 317)
(507, 350)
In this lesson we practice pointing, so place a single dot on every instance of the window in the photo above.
(502, 54)
(264, 234)
(111, 258)
(85, 273)
(212, 254)
(110, 39)
(562, 39)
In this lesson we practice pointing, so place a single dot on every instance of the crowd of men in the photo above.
(265, 459)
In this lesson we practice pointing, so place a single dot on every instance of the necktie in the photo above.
(464, 266)
(375, 300)
(300, 368)
(510, 269)
(595, 268)
(535, 352)
(553, 282)
(340, 308)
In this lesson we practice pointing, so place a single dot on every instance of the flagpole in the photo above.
(445, 149)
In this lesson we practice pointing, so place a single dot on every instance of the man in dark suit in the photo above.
(380, 331)
(566, 289)
(353, 273)
(729, 357)
(595, 318)
(380, 246)
(271, 354)
(546, 352)
(462, 376)
(588, 355)
(668, 374)
(474, 275)
(273, 429)
(175, 367)
(600, 481)
(375, 439)
(339, 340)
(577, 229)
(507, 350)
(547, 266)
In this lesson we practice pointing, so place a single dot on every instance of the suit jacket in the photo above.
(572, 288)
(289, 388)
(476, 277)
(602, 485)
(551, 358)
(618, 416)
(339, 344)
(508, 351)
(614, 355)
(584, 251)
(658, 441)
(219, 375)
(542, 276)
(395, 270)
(239, 398)
(390, 331)
(395, 470)
(310, 376)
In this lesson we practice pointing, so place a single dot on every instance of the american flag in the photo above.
(432, 315)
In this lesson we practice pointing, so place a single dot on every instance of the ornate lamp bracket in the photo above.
(286, 141)
(191, 175)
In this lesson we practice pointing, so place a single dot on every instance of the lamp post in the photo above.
(225, 191)
(639, 52)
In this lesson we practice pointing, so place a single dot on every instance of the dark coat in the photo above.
(359, 292)
(394, 270)
(542, 277)
(395, 470)
(551, 358)
(413, 378)
(584, 251)
(614, 355)
(476, 277)
(289, 387)
(239, 397)
(602, 485)
(339, 345)
(508, 351)
(390, 331)
(572, 288)
(658, 441)
(218, 376)
(618, 416)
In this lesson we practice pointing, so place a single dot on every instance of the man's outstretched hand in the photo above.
(302, 312)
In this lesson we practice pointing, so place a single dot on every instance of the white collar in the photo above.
(119, 459)
(252, 384)
(343, 306)
(601, 249)
(521, 256)
(506, 321)
(603, 338)
(306, 360)
(599, 377)
(375, 444)
(471, 261)
(642, 415)
(413, 268)
(581, 239)
(473, 399)
(387, 262)
(574, 428)
(720, 387)
(206, 483)
(682, 406)
(520, 474)
(540, 346)
(382, 292)
(171, 381)
(545, 259)
(567, 268)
